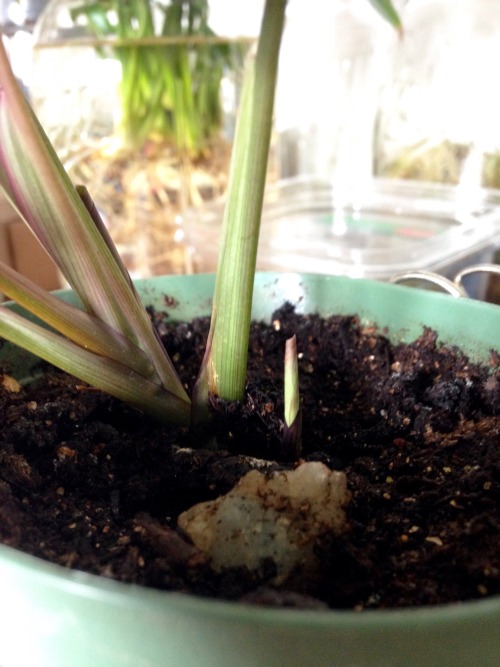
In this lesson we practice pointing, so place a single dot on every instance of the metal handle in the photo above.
(453, 287)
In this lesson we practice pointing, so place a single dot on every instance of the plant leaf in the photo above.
(38, 187)
(106, 374)
(80, 327)
(388, 11)
(292, 397)
(292, 429)
(224, 367)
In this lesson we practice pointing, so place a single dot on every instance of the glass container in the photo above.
(374, 231)
(140, 108)
(438, 110)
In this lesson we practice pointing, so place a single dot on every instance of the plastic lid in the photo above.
(381, 230)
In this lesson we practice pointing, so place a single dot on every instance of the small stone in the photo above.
(10, 384)
(278, 516)
(64, 453)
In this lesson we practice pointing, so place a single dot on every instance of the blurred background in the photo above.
(385, 154)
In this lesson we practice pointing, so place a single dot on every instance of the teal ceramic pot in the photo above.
(53, 617)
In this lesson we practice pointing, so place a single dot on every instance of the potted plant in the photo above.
(75, 618)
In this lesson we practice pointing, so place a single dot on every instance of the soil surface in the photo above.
(89, 483)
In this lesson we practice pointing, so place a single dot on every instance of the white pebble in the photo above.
(277, 516)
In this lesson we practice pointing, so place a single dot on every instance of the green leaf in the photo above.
(38, 187)
(106, 374)
(224, 368)
(292, 396)
(80, 327)
(387, 10)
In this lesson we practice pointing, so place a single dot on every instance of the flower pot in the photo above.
(50, 616)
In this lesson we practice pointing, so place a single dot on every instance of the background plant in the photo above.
(172, 66)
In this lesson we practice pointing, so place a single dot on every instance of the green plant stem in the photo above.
(67, 224)
(171, 68)
(224, 368)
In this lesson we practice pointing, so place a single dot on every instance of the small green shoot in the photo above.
(388, 12)
(292, 428)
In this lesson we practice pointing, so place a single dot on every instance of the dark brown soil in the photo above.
(91, 484)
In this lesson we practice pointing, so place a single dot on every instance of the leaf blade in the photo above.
(41, 191)
(224, 367)
(387, 10)
(105, 374)
(83, 329)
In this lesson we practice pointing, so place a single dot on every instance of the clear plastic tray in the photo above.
(383, 229)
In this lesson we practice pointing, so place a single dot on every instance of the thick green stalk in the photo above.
(224, 368)
(68, 226)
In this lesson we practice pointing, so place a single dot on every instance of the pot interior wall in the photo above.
(471, 325)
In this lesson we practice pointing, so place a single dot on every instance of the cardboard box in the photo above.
(5, 251)
(30, 259)
(20, 249)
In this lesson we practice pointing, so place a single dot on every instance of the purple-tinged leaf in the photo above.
(112, 377)
(80, 327)
(40, 190)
